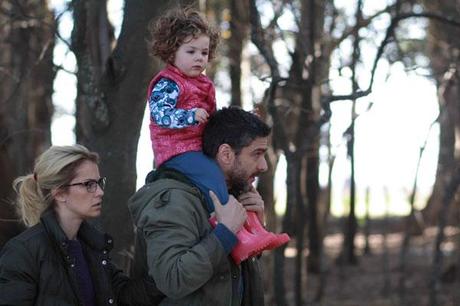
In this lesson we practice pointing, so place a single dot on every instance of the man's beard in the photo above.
(238, 181)
(238, 186)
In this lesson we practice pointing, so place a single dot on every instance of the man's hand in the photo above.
(201, 115)
(232, 214)
(252, 201)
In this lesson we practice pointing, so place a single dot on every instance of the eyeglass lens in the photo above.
(91, 186)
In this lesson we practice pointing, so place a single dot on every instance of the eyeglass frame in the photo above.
(100, 182)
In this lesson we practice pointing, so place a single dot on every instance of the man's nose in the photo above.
(262, 165)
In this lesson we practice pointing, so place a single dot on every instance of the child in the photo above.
(181, 98)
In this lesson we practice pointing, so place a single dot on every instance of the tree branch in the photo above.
(388, 38)
(258, 38)
(364, 22)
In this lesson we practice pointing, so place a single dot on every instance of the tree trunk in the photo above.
(239, 26)
(443, 46)
(449, 193)
(26, 84)
(111, 102)
(348, 253)
(314, 232)
(409, 224)
(300, 222)
(265, 187)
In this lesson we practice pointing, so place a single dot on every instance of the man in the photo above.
(176, 245)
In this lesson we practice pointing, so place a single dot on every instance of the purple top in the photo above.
(85, 282)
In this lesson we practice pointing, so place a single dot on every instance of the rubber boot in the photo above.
(248, 245)
(253, 225)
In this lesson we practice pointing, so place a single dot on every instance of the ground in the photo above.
(364, 284)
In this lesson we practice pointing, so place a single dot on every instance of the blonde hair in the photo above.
(53, 168)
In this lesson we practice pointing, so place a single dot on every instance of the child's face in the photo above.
(192, 56)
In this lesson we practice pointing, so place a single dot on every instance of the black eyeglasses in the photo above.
(91, 185)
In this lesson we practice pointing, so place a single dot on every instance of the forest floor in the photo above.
(375, 279)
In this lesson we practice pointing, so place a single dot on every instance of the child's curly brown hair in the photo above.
(169, 32)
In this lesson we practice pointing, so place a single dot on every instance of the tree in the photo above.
(299, 104)
(111, 97)
(239, 30)
(294, 105)
(443, 48)
(26, 82)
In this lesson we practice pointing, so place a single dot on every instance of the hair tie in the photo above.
(35, 176)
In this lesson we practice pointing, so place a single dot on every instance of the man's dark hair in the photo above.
(233, 126)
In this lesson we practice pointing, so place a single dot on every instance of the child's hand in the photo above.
(201, 115)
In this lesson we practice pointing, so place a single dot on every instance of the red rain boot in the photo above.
(248, 244)
(253, 225)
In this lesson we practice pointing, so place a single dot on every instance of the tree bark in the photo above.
(443, 47)
(239, 27)
(449, 193)
(315, 242)
(111, 101)
(26, 84)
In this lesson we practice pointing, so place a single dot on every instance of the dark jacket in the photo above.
(36, 269)
(176, 246)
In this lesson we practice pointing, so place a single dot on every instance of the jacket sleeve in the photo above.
(163, 106)
(139, 292)
(18, 275)
(181, 255)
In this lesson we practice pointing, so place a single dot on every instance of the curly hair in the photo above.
(169, 32)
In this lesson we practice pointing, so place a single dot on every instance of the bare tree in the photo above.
(348, 252)
(443, 51)
(449, 193)
(26, 82)
(239, 33)
(111, 99)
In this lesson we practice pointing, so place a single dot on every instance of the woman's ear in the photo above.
(225, 155)
(58, 195)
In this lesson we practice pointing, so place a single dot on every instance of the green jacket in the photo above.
(36, 269)
(176, 246)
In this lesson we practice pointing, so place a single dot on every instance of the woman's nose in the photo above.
(99, 191)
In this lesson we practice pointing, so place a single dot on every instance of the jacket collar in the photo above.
(87, 233)
(199, 79)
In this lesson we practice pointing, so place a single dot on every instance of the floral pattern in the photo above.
(162, 103)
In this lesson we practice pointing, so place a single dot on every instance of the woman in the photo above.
(61, 259)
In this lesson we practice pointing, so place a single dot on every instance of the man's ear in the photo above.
(225, 155)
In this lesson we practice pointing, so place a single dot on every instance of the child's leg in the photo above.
(204, 172)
